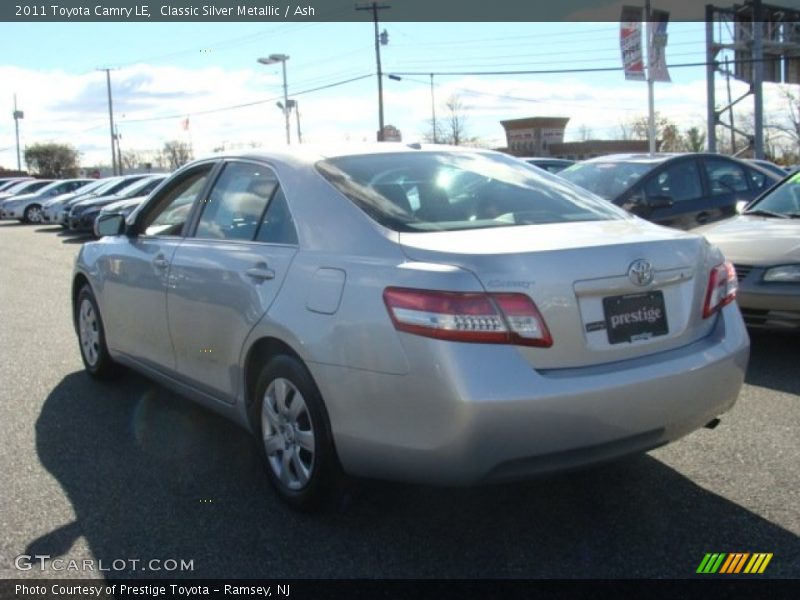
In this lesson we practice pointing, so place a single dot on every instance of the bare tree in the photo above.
(177, 153)
(451, 128)
(694, 139)
(133, 159)
(789, 126)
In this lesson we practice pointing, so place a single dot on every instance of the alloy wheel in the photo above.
(288, 433)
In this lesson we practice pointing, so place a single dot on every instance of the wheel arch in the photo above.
(78, 282)
(260, 353)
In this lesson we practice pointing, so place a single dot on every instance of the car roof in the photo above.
(657, 158)
(312, 153)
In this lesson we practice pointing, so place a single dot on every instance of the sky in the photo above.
(166, 73)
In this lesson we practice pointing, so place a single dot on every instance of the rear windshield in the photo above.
(446, 191)
(606, 179)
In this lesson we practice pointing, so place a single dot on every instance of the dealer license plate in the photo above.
(635, 317)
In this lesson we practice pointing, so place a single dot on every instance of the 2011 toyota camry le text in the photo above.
(414, 313)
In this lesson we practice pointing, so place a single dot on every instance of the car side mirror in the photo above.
(113, 224)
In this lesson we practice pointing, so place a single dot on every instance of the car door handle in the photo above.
(160, 262)
(260, 273)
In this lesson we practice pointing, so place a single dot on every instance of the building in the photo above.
(544, 136)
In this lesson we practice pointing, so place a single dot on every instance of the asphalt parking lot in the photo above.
(127, 470)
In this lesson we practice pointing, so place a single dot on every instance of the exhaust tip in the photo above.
(712, 424)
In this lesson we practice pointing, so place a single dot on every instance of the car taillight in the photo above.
(468, 316)
(722, 286)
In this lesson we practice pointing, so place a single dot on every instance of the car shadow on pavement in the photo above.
(49, 229)
(774, 358)
(152, 476)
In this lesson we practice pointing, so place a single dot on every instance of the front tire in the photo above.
(91, 337)
(295, 434)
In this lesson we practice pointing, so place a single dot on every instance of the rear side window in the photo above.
(445, 191)
(725, 177)
(236, 203)
(758, 180)
(277, 226)
(678, 182)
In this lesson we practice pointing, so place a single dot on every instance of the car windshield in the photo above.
(606, 179)
(781, 201)
(90, 187)
(445, 191)
(141, 187)
(27, 186)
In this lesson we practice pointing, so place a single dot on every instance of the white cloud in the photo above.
(73, 108)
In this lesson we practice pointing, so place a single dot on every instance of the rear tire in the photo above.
(92, 338)
(295, 435)
(32, 214)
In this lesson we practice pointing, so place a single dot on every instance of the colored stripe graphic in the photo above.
(711, 563)
(733, 563)
(758, 563)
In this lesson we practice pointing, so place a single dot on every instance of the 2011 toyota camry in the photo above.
(425, 314)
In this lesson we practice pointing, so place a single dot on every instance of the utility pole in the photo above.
(375, 7)
(433, 111)
(18, 114)
(111, 120)
(117, 137)
(297, 114)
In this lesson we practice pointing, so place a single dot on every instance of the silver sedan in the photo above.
(425, 314)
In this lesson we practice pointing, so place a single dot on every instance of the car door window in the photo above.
(679, 182)
(725, 177)
(236, 203)
(173, 206)
(278, 225)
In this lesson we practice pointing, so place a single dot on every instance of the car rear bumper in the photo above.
(472, 413)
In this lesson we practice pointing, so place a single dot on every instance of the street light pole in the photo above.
(18, 114)
(281, 58)
(651, 117)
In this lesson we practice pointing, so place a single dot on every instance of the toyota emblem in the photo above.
(640, 272)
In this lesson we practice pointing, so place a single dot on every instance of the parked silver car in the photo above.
(764, 245)
(28, 207)
(426, 314)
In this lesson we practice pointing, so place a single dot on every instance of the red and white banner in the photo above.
(630, 42)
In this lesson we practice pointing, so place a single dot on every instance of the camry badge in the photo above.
(640, 272)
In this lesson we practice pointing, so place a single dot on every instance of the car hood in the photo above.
(20, 197)
(755, 240)
(121, 204)
(99, 201)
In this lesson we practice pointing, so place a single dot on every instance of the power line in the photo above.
(547, 71)
(246, 104)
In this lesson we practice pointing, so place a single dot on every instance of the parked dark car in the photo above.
(83, 213)
(678, 190)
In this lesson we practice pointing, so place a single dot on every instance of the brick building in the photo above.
(544, 136)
